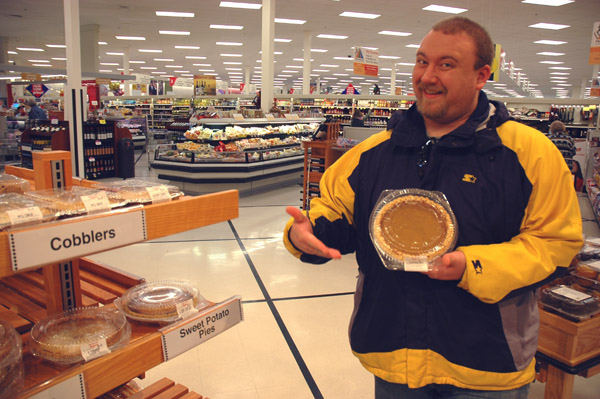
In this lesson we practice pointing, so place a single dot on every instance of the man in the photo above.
(468, 328)
(36, 112)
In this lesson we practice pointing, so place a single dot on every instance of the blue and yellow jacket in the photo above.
(518, 221)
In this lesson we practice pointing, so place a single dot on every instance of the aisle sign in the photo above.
(56, 242)
(207, 323)
(72, 388)
(37, 89)
(595, 45)
(31, 76)
(366, 61)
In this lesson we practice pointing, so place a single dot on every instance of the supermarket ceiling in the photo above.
(38, 24)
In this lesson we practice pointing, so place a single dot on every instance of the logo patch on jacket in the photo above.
(477, 266)
(469, 178)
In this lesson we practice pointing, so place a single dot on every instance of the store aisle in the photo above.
(293, 341)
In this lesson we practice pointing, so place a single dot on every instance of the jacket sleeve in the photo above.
(332, 214)
(551, 230)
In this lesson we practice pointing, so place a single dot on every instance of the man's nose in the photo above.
(430, 74)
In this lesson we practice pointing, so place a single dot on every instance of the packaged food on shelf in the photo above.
(161, 301)
(11, 361)
(412, 228)
(569, 302)
(80, 334)
(20, 210)
(13, 184)
(76, 200)
(135, 191)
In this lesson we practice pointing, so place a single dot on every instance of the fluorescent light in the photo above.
(137, 62)
(282, 40)
(56, 45)
(405, 63)
(188, 47)
(130, 37)
(164, 59)
(320, 70)
(559, 73)
(59, 59)
(290, 21)
(232, 27)
(109, 53)
(544, 25)
(233, 69)
(294, 66)
(393, 33)
(287, 71)
(389, 57)
(38, 61)
(109, 63)
(173, 66)
(195, 57)
(444, 9)
(42, 65)
(552, 62)
(318, 50)
(232, 63)
(352, 14)
(174, 32)
(344, 58)
(175, 14)
(142, 50)
(201, 64)
(550, 53)
(301, 59)
(341, 74)
(229, 44)
(560, 68)
(233, 4)
(148, 68)
(29, 49)
(105, 70)
(368, 48)
(327, 36)
(329, 66)
(230, 55)
(550, 42)
(159, 72)
(413, 45)
(102, 43)
(553, 3)
(206, 70)
(11, 52)
(181, 71)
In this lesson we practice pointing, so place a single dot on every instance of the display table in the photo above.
(566, 349)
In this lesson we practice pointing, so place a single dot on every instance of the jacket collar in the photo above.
(478, 131)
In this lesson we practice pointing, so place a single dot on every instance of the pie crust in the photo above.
(413, 226)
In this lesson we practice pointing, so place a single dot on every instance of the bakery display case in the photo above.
(37, 288)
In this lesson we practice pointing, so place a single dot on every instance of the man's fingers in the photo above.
(295, 213)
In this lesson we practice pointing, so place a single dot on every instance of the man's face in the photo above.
(444, 79)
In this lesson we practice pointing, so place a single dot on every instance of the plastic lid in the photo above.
(569, 302)
(161, 301)
(20, 210)
(13, 184)
(10, 345)
(62, 338)
(411, 228)
(139, 191)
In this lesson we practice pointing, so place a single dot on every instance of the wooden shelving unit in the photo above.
(26, 296)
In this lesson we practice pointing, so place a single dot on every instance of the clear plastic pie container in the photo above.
(161, 301)
(135, 191)
(75, 200)
(20, 210)
(11, 364)
(569, 302)
(13, 184)
(80, 334)
(412, 228)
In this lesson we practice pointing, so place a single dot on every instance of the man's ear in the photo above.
(483, 75)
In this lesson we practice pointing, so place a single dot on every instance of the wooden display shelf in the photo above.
(161, 220)
(166, 389)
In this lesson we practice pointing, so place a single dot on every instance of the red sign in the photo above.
(37, 89)
(172, 80)
(93, 92)
(242, 85)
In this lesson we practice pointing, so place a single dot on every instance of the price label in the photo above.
(102, 121)
(54, 121)
(97, 202)
(208, 323)
(270, 117)
(159, 194)
(416, 264)
(72, 388)
(98, 142)
(94, 349)
(24, 215)
(185, 308)
(238, 117)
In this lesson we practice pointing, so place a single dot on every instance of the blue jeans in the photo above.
(389, 390)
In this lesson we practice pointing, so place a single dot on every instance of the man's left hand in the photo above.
(450, 266)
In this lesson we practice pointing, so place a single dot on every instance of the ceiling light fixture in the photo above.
(56, 45)
(109, 53)
(553, 3)
(164, 59)
(389, 57)
(143, 50)
(148, 68)
(393, 33)
(103, 43)
(550, 42)
(231, 27)
(175, 14)
(230, 55)
(544, 25)
(233, 4)
(552, 62)
(195, 57)
(444, 9)
(550, 53)
(130, 37)
(29, 49)
(364, 15)
(137, 62)
(327, 36)
(188, 47)
(174, 32)
(229, 44)
(318, 50)
(282, 40)
(344, 58)
(290, 21)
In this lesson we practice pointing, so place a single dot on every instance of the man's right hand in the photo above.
(301, 235)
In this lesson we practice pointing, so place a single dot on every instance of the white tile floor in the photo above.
(293, 341)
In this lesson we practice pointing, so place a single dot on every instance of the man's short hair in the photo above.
(483, 42)
(557, 127)
(31, 102)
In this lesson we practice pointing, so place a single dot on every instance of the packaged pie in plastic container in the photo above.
(569, 302)
(20, 210)
(412, 228)
(140, 191)
(161, 301)
(11, 364)
(79, 335)
(76, 200)
(13, 184)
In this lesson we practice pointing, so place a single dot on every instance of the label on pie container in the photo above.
(159, 194)
(416, 264)
(571, 293)
(185, 308)
(24, 215)
(94, 349)
(97, 202)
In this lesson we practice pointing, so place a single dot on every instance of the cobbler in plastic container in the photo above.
(569, 302)
(19, 210)
(11, 364)
(76, 200)
(134, 191)
(13, 184)
(161, 301)
(412, 228)
(80, 334)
